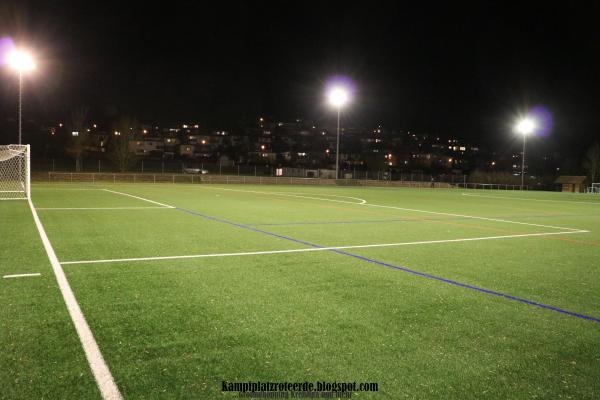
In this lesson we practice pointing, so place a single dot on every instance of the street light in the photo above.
(338, 97)
(21, 62)
(525, 127)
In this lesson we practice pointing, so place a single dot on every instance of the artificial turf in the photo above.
(177, 328)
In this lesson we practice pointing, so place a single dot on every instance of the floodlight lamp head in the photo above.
(526, 126)
(21, 61)
(338, 97)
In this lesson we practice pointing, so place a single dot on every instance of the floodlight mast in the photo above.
(525, 127)
(21, 62)
(338, 97)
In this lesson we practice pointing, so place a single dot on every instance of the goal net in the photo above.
(595, 188)
(14, 172)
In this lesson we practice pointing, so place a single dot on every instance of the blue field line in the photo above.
(374, 221)
(365, 221)
(399, 268)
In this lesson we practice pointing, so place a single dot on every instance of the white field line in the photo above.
(422, 211)
(23, 198)
(526, 199)
(139, 198)
(474, 217)
(104, 379)
(299, 195)
(103, 208)
(310, 249)
(20, 275)
(53, 188)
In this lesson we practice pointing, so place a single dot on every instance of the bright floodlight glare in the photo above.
(525, 126)
(21, 61)
(338, 97)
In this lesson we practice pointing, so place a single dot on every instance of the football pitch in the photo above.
(151, 291)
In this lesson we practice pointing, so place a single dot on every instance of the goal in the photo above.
(14, 172)
(595, 188)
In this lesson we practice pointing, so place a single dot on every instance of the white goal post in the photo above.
(595, 188)
(15, 177)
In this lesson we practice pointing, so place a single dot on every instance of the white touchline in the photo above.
(21, 275)
(139, 198)
(309, 249)
(420, 211)
(526, 199)
(100, 370)
(104, 208)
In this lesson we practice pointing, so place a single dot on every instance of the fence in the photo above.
(172, 171)
(79, 177)
(595, 188)
(491, 186)
(144, 166)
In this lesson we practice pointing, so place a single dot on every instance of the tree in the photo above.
(77, 144)
(591, 162)
(119, 151)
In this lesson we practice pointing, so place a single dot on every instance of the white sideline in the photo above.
(100, 370)
(526, 199)
(20, 275)
(416, 210)
(139, 198)
(363, 246)
(103, 208)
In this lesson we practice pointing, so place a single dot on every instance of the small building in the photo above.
(573, 184)
(146, 146)
(186, 150)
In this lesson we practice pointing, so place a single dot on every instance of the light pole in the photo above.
(525, 127)
(338, 97)
(21, 62)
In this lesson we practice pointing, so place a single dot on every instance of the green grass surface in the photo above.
(176, 328)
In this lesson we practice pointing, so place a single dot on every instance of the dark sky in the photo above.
(461, 70)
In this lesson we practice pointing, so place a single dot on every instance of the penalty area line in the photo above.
(364, 203)
(297, 195)
(20, 275)
(597, 203)
(311, 249)
(475, 217)
(103, 208)
(139, 198)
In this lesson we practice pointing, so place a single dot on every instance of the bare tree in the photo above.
(120, 152)
(77, 144)
(591, 162)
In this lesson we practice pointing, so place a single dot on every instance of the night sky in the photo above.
(461, 71)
